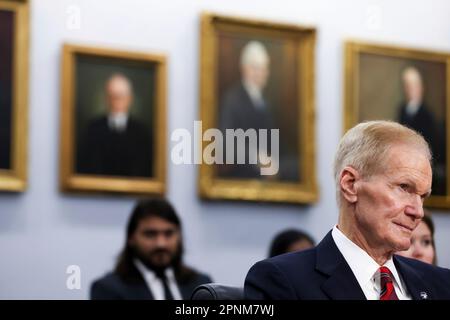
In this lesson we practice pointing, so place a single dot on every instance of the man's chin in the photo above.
(160, 264)
(156, 265)
(402, 245)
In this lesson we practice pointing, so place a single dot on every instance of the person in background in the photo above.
(290, 240)
(422, 242)
(150, 266)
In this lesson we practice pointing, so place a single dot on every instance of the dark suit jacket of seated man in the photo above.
(381, 185)
(150, 266)
(113, 287)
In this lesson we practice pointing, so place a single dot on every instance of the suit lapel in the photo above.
(341, 283)
(413, 280)
(141, 291)
(137, 289)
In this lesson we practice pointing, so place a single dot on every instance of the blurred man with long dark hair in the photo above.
(150, 266)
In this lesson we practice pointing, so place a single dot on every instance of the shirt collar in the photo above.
(118, 121)
(255, 93)
(149, 274)
(362, 265)
(412, 107)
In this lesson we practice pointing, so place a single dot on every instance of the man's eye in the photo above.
(169, 233)
(150, 234)
(404, 186)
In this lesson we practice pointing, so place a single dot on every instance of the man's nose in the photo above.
(161, 240)
(415, 207)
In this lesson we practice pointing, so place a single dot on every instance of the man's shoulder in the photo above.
(107, 287)
(298, 264)
(197, 277)
(114, 287)
(98, 122)
(234, 94)
(288, 276)
(235, 89)
(299, 257)
(200, 276)
(109, 279)
(137, 125)
(435, 278)
(427, 270)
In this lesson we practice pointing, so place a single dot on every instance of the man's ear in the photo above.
(348, 179)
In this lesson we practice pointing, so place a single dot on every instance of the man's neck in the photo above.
(380, 256)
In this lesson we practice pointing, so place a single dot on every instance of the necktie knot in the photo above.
(386, 284)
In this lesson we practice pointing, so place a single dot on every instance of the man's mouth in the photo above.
(404, 227)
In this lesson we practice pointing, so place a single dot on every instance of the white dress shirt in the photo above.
(118, 121)
(255, 94)
(412, 107)
(365, 268)
(155, 284)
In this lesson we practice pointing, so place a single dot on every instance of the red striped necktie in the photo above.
(386, 284)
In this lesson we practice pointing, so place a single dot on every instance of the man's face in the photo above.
(256, 72)
(118, 95)
(413, 87)
(156, 242)
(389, 205)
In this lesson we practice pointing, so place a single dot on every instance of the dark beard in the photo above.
(159, 270)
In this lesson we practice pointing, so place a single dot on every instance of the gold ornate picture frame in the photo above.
(96, 154)
(287, 99)
(378, 82)
(14, 35)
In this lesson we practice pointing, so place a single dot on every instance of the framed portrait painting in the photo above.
(112, 121)
(406, 85)
(13, 94)
(257, 105)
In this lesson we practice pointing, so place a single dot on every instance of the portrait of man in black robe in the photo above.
(116, 143)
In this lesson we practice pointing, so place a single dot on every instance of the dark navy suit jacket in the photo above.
(112, 287)
(322, 273)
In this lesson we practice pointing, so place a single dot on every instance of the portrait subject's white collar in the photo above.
(255, 94)
(412, 107)
(118, 121)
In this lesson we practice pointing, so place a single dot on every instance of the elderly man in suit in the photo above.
(415, 114)
(117, 144)
(150, 266)
(383, 174)
(245, 107)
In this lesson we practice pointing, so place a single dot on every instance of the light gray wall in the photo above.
(43, 231)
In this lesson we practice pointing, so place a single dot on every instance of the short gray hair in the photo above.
(254, 51)
(365, 146)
